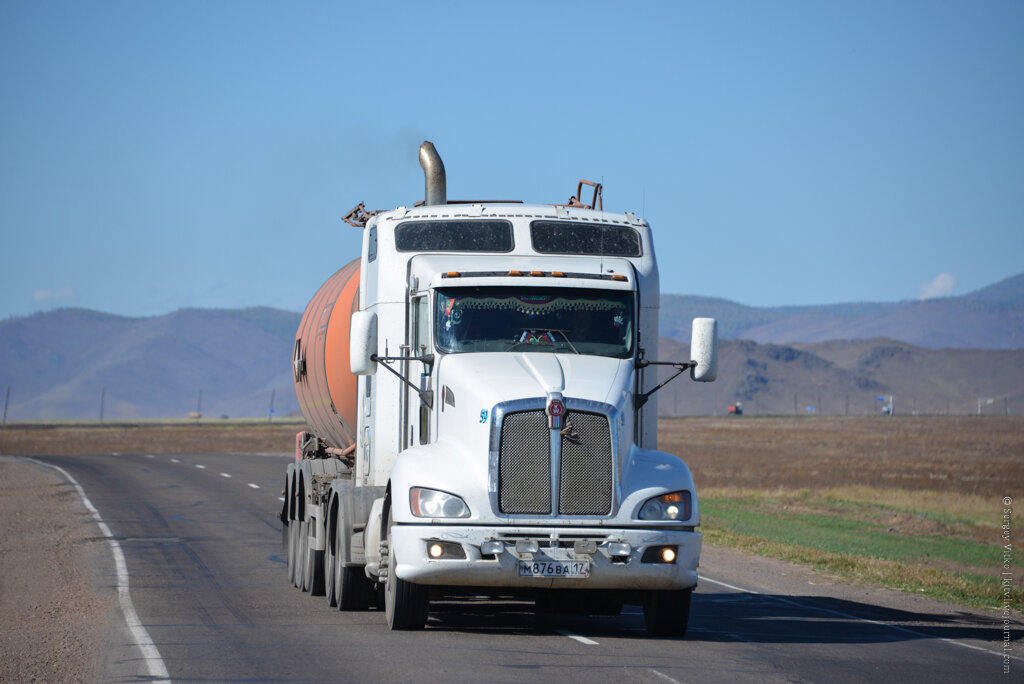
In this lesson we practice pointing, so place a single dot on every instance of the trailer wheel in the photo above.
(293, 552)
(667, 613)
(331, 561)
(405, 603)
(312, 563)
(301, 549)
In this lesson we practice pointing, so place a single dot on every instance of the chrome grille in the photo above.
(585, 468)
(524, 468)
(585, 471)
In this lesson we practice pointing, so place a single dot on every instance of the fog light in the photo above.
(527, 546)
(445, 550)
(585, 546)
(619, 549)
(492, 547)
(660, 554)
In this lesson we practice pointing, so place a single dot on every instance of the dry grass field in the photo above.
(921, 504)
(983, 456)
(37, 439)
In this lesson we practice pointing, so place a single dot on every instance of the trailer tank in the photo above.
(324, 384)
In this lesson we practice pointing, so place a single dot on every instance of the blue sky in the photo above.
(159, 155)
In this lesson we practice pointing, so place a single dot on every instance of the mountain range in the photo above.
(956, 354)
(990, 318)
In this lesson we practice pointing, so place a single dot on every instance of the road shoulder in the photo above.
(54, 612)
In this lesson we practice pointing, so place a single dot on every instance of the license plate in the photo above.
(554, 568)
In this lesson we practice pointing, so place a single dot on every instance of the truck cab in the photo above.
(506, 422)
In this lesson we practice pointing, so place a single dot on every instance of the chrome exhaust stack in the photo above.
(433, 173)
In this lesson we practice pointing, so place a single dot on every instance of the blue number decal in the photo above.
(483, 415)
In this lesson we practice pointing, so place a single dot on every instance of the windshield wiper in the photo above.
(563, 333)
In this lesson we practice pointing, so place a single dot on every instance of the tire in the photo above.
(667, 613)
(353, 590)
(405, 603)
(293, 556)
(312, 564)
(330, 561)
(301, 549)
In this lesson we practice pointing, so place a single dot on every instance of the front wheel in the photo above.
(405, 603)
(667, 613)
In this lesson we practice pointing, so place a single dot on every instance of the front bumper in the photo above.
(606, 571)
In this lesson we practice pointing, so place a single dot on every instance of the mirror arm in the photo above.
(681, 367)
(426, 396)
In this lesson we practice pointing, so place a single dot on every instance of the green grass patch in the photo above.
(954, 557)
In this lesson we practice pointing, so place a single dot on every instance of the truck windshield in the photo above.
(489, 319)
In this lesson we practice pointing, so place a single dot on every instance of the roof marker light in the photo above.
(618, 277)
(452, 274)
(558, 274)
(536, 273)
(515, 273)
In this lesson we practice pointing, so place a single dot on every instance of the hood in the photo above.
(490, 378)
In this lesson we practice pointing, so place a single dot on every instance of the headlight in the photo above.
(674, 506)
(430, 503)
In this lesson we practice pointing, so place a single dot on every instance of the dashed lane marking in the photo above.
(225, 475)
(577, 637)
(254, 486)
(200, 466)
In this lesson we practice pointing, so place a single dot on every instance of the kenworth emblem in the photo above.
(555, 411)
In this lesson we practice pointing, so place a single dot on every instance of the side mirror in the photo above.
(704, 349)
(363, 343)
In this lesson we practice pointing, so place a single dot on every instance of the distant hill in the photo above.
(847, 378)
(58, 364)
(990, 318)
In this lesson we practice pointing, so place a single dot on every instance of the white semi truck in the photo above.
(479, 387)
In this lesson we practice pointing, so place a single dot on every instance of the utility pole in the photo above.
(103, 401)
(7, 400)
(270, 416)
(199, 406)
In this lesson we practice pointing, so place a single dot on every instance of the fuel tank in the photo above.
(324, 384)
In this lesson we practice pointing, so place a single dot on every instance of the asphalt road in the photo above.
(202, 546)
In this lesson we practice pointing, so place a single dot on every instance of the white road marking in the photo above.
(663, 676)
(705, 578)
(224, 475)
(280, 498)
(254, 486)
(577, 637)
(150, 653)
(200, 466)
(175, 460)
(150, 456)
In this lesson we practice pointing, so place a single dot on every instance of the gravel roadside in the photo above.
(53, 609)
